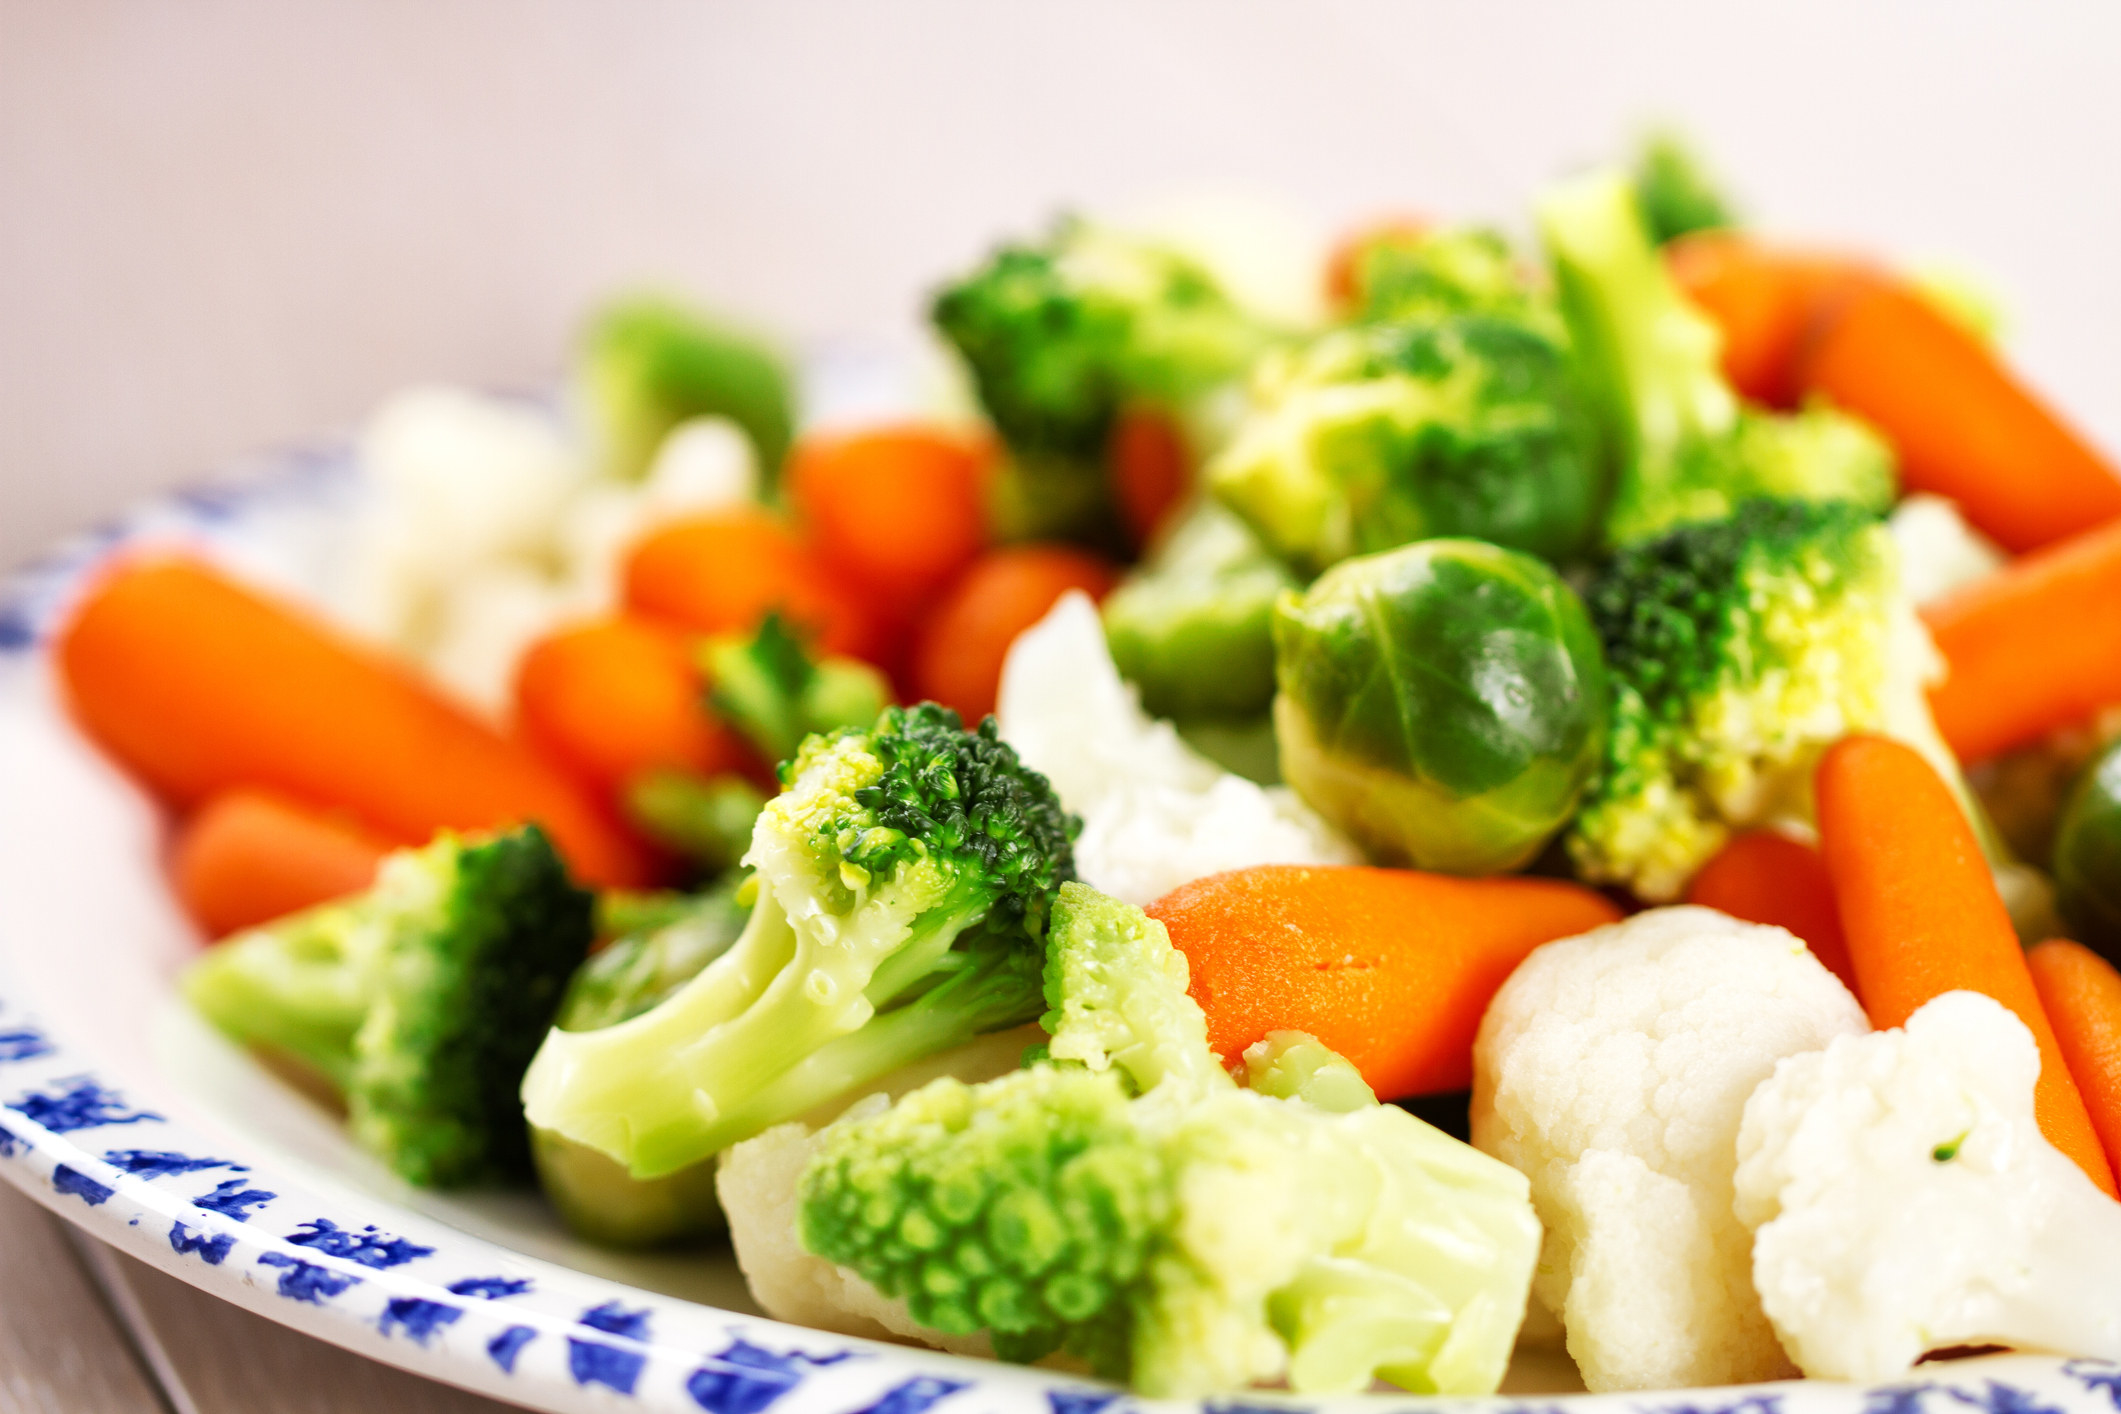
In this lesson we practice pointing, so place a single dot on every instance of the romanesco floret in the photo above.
(1738, 650)
(903, 879)
(1685, 449)
(1453, 410)
(1130, 1204)
(422, 1000)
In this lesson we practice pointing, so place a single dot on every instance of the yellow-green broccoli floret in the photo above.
(1738, 651)
(422, 1000)
(903, 878)
(648, 363)
(1685, 449)
(1128, 1203)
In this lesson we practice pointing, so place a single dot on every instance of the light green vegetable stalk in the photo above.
(1130, 1204)
(1685, 449)
(1443, 703)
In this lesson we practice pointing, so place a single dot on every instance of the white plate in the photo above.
(123, 1113)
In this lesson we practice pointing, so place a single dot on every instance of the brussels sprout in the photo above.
(2087, 861)
(1190, 629)
(1444, 703)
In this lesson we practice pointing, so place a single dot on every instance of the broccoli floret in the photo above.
(1129, 1204)
(649, 363)
(1453, 411)
(706, 822)
(1677, 193)
(1684, 447)
(421, 1000)
(634, 974)
(1738, 651)
(903, 880)
(774, 689)
(1061, 336)
(1192, 628)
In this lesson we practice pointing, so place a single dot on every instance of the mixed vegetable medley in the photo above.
(1249, 850)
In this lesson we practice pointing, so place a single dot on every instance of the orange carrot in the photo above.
(1963, 425)
(248, 857)
(722, 573)
(1763, 299)
(2082, 994)
(1923, 918)
(2033, 647)
(1389, 967)
(958, 661)
(619, 697)
(1764, 877)
(1151, 469)
(897, 510)
(198, 685)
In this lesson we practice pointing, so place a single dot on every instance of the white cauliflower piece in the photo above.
(1156, 813)
(1904, 1200)
(1612, 1070)
(1939, 551)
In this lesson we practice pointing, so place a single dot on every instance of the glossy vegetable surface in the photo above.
(2087, 862)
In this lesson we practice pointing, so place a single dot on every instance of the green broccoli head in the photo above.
(903, 879)
(1677, 193)
(1738, 651)
(773, 687)
(423, 1000)
(1131, 1205)
(1441, 274)
(1379, 434)
(649, 363)
(1684, 448)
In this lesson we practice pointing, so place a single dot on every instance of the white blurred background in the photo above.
(229, 222)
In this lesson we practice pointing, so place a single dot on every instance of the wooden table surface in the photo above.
(87, 1330)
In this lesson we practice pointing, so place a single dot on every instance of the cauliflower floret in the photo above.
(1156, 813)
(1612, 1070)
(1904, 1199)
(1939, 551)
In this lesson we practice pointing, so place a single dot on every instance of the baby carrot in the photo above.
(1151, 469)
(1763, 299)
(1390, 967)
(2082, 994)
(2033, 647)
(247, 857)
(619, 697)
(1923, 918)
(1765, 877)
(897, 510)
(1963, 425)
(197, 685)
(958, 660)
(722, 573)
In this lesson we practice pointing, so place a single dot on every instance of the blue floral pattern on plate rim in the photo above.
(391, 1284)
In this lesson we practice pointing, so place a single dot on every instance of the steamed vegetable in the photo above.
(1191, 628)
(1129, 1204)
(897, 510)
(1738, 651)
(1613, 1069)
(1903, 1200)
(2087, 859)
(903, 880)
(634, 974)
(247, 857)
(958, 657)
(1444, 703)
(1065, 336)
(198, 685)
(1962, 425)
(773, 689)
(1155, 812)
(1765, 876)
(2081, 993)
(1454, 411)
(1677, 194)
(649, 363)
(421, 1000)
(1390, 968)
(724, 572)
(1686, 450)
(1923, 916)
